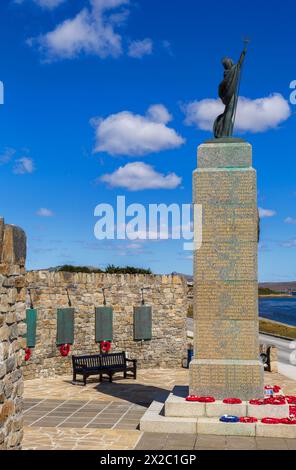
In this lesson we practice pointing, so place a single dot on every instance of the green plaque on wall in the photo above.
(104, 324)
(65, 326)
(31, 321)
(142, 323)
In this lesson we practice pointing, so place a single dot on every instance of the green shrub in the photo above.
(110, 269)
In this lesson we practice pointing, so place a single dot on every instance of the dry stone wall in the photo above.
(12, 329)
(167, 295)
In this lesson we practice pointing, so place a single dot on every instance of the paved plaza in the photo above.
(104, 416)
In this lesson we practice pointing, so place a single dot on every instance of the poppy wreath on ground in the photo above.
(271, 421)
(261, 401)
(206, 399)
(288, 421)
(248, 419)
(105, 346)
(291, 400)
(229, 419)
(275, 401)
(28, 353)
(292, 410)
(232, 401)
(192, 398)
(64, 349)
(274, 388)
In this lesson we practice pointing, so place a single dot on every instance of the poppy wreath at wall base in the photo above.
(269, 401)
(288, 420)
(275, 401)
(191, 398)
(105, 346)
(274, 388)
(64, 350)
(206, 399)
(259, 402)
(271, 421)
(200, 399)
(291, 400)
(229, 419)
(232, 401)
(28, 353)
(248, 419)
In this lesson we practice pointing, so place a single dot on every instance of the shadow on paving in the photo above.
(138, 394)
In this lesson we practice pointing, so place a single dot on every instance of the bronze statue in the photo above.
(228, 92)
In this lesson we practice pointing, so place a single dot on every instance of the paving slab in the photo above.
(240, 443)
(264, 443)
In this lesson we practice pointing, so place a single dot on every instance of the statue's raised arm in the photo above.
(242, 57)
(228, 92)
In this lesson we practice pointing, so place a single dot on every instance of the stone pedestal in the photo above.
(226, 338)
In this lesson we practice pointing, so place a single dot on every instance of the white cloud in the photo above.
(50, 4)
(138, 176)
(138, 49)
(131, 134)
(290, 220)
(91, 31)
(7, 155)
(43, 212)
(159, 113)
(23, 165)
(289, 244)
(264, 213)
(254, 116)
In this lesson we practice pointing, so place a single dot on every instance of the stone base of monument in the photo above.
(179, 416)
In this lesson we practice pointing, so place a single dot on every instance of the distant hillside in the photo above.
(279, 286)
(273, 286)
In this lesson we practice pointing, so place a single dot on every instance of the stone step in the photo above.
(154, 421)
(217, 428)
(178, 407)
(268, 411)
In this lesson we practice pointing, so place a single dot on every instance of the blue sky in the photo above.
(65, 64)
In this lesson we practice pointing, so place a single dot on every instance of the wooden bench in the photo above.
(265, 359)
(100, 364)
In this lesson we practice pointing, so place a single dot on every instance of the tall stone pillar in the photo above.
(226, 342)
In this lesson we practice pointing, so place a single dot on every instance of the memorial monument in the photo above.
(226, 341)
(225, 375)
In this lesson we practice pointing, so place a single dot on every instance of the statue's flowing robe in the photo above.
(223, 126)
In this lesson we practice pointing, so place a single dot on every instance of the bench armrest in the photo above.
(131, 360)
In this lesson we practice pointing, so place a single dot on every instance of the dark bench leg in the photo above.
(84, 379)
(74, 377)
(110, 377)
(135, 373)
(101, 377)
(124, 374)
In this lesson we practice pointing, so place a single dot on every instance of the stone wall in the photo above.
(12, 328)
(166, 294)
